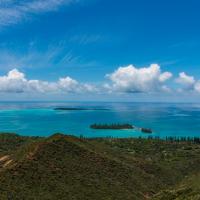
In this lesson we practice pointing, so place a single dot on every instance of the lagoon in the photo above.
(42, 119)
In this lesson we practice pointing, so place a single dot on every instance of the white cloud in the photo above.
(165, 76)
(197, 86)
(13, 82)
(12, 12)
(132, 79)
(41, 86)
(15, 74)
(189, 83)
(16, 82)
(68, 84)
(186, 80)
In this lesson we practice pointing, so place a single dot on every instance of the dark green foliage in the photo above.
(188, 189)
(183, 139)
(111, 126)
(11, 142)
(66, 167)
(146, 130)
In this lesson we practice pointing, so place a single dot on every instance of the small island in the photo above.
(112, 126)
(78, 109)
(146, 130)
(120, 127)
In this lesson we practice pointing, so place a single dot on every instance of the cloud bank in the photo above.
(16, 82)
(127, 79)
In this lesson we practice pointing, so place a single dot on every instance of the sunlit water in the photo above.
(40, 119)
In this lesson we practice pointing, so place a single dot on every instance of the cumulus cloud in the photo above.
(68, 84)
(132, 80)
(197, 86)
(188, 82)
(16, 82)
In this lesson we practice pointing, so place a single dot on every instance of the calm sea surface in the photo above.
(40, 118)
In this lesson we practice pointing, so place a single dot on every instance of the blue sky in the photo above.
(85, 40)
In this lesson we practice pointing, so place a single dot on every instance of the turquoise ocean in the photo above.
(41, 118)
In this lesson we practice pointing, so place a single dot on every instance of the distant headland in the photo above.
(77, 109)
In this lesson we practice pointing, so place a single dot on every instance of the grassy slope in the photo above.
(188, 189)
(11, 142)
(65, 167)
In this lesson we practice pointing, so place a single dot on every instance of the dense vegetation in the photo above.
(112, 126)
(146, 130)
(66, 167)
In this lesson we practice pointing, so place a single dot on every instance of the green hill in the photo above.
(66, 167)
(188, 189)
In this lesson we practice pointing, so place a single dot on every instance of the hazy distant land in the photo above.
(79, 109)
